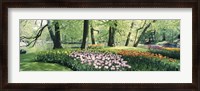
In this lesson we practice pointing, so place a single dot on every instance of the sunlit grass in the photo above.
(127, 48)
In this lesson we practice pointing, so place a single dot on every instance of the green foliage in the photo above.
(71, 30)
(171, 28)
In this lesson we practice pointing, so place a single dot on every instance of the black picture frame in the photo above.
(194, 4)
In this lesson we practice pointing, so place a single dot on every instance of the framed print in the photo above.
(139, 45)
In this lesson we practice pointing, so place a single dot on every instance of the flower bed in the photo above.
(145, 61)
(85, 61)
(141, 63)
(169, 52)
(172, 49)
(109, 60)
(102, 60)
(144, 54)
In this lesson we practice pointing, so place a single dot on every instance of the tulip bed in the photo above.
(169, 52)
(103, 61)
(109, 60)
(146, 61)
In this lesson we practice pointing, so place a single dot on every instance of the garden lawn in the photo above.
(127, 48)
(27, 63)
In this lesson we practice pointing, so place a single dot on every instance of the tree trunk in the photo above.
(128, 38)
(51, 33)
(57, 37)
(164, 38)
(92, 35)
(111, 39)
(138, 30)
(109, 36)
(85, 34)
(129, 34)
(153, 36)
(140, 37)
(178, 36)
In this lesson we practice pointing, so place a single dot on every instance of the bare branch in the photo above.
(142, 26)
(35, 37)
(41, 23)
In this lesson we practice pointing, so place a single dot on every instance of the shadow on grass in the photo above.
(27, 64)
(39, 66)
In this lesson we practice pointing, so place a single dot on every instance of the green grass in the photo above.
(127, 48)
(27, 64)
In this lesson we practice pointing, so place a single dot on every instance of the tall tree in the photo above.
(138, 30)
(92, 35)
(142, 34)
(85, 34)
(57, 36)
(50, 29)
(129, 34)
(111, 37)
